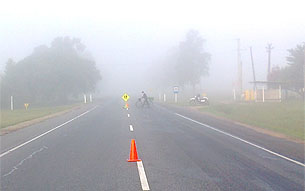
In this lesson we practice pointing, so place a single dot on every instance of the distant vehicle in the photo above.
(197, 100)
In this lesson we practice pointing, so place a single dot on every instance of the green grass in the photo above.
(286, 118)
(9, 118)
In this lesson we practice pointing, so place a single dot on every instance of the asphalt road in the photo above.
(87, 149)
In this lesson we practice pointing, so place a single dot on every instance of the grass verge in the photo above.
(9, 118)
(286, 118)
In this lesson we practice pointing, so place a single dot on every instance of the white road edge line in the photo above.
(43, 134)
(130, 128)
(240, 139)
(143, 179)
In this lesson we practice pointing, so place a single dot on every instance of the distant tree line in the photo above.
(185, 64)
(292, 75)
(50, 74)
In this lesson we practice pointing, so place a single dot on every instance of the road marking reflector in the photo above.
(143, 179)
(242, 140)
(131, 128)
(43, 134)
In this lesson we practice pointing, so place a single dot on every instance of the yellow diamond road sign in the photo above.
(26, 105)
(125, 97)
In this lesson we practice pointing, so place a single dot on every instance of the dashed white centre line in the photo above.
(130, 128)
(143, 179)
(128, 115)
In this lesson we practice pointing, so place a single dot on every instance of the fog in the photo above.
(129, 39)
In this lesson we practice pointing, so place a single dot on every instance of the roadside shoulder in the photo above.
(257, 129)
(21, 125)
(275, 142)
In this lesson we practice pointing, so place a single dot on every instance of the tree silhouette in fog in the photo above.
(185, 64)
(192, 62)
(51, 74)
(292, 75)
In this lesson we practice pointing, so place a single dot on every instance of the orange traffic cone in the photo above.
(133, 152)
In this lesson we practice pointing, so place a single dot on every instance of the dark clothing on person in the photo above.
(145, 99)
(144, 96)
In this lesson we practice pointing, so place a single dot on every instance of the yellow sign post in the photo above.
(26, 105)
(125, 97)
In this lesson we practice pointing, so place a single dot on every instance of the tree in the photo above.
(296, 65)
(293, 74)
(52, 74)
(192, 61)
(184, 64)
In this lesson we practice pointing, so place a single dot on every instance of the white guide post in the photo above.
(85, 98)
(12, 103)
(90, 97)
(280, 92)
(263, 94)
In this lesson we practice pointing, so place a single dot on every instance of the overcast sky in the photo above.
(125, 35)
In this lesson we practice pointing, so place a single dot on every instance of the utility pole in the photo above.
(304, 75)
(239, 68)
(253, 70)
(269, 48)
